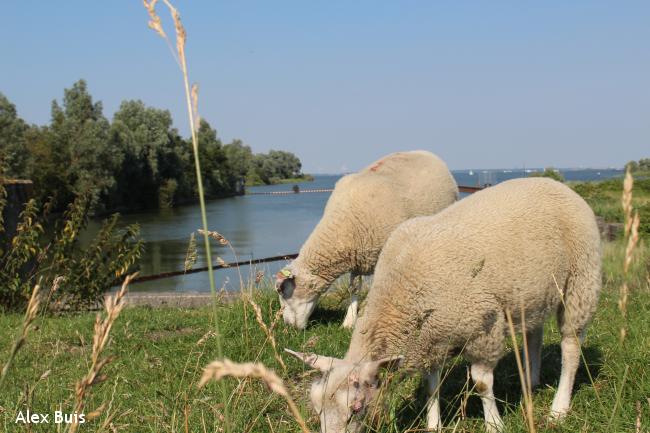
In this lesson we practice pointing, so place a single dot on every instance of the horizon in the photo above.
(481, 169)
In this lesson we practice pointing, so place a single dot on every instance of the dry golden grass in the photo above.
(192, 255)
(31, 313)
(113, 306)
(214, 235)
(191, 99)
(216, 370)
(632, 236)
(524, 374)
(195, 106)
(268, 330)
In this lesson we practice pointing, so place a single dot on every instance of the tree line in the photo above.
(138, 160)
(641, 165)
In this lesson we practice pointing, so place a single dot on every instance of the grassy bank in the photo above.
(159, 355)
(604, 197)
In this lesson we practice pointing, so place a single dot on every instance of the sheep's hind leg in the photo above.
(483, 378)
(580, 300)
(534, 338)
(433, 405)
(351, 315)
(570, 346)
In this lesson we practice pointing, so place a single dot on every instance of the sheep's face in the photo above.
(342, 395)
(296, 302)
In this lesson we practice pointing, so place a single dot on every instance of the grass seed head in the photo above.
(217, 370)
(214, 235)
(195, 106)
(154, 20)
(192, 255)
(626, 199)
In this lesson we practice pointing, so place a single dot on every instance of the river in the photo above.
(258, 226)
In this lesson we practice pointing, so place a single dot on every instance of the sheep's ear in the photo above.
(282, 279)
(321, 363)
(370, 370)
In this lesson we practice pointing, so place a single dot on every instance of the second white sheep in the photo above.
(361, 213)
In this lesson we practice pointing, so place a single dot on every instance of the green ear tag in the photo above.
(286, 273)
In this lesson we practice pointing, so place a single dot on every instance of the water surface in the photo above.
(258, 226)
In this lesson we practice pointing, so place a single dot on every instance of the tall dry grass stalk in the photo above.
(523, 374)
(217, 370)
(268, 330)
(192, 255)
(632, 237)
(30, 315)
(113, 306)
(191, 100)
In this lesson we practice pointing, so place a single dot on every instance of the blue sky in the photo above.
(340, 83)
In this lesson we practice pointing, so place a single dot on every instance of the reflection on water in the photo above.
(257, 226)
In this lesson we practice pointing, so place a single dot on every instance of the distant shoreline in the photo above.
(303, 178)
(517, 169)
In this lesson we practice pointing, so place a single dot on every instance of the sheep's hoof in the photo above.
(555, 417)
(437, 427)
(493, 428)
(494, 425)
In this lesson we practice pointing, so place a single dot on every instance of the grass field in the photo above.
(604, 197)
(159, 354)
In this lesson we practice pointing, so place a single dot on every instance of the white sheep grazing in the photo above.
(361, 213)
(444, 283)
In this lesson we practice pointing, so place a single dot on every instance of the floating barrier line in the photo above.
(289, 192)
(461, 188)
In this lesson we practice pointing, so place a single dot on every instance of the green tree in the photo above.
(78, 136)
(641, 165)
(632, 166)
(550, 172)
(239, 157)
(12, 139)
(287, 165)
(152, 154)
(137, 161)
(274, 166)
(219, 178)
(262, 170)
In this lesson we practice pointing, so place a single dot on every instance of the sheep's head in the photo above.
(342, 395)
(298, 295)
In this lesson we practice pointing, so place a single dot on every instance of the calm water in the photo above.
(259, 226)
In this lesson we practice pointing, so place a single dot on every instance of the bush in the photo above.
(166, 194)
(551, 173)
(82, 275)
(604, 197)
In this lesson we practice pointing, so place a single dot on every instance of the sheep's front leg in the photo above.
(483, 381)
(433, 405)
(351, 315)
